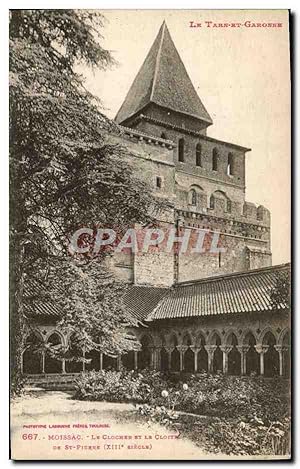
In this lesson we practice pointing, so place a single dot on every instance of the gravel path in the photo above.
(111, 431)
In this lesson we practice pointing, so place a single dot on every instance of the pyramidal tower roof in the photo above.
(163, 80)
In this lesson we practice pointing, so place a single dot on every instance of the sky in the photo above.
(242, 77)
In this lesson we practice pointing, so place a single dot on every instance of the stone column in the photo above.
(63, 362)
(210, 352)
(182, 349)
(152, 358)
(169, 351)
(158, 358)
(101, 361)
(135, 355)
(43, 363)
(196, 350)
(119, 362)
(243, 349)
(280, 349)
(261, 349)
(156, 362)
(225, 349)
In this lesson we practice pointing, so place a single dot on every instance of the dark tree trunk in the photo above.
(16, 314)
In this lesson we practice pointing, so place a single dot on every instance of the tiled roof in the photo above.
(34, 306)
(141, 300)
(163, 80)
(233, 293)
(228, 294)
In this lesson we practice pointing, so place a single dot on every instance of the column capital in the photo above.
(152, 347)
(226, 348)
(169, 350)
(195, 349)
(261, 348)
(210, 348)
(243, 348)
(182, 348)
(281, 348)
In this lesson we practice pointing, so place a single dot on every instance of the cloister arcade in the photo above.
(233, 353)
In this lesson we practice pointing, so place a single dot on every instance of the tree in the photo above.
(64, 171)
(281, 292)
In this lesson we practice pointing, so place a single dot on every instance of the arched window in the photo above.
(193, 197)
(218, 354)
(109, 363)
(164, 360)
(74, 356)
(144, 355)
(128, 360)
(198, 155)
(52, 363)
(163, 135)
(215, 157)
(32, 355)
(181, 150)
(252, 357)
(271, 357)
(187, 340)
(230, 167)
(220, 201)
(234, 356)
(173, 342)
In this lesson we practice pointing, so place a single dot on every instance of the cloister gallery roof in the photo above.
(242, 292)
(163, 80)
(37, 302)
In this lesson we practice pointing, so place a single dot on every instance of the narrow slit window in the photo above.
(212, 202)
(181, 150)
(158, 182)
(230, 165)
(215, 158)
(198, 155)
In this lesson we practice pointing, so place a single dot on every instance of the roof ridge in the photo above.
(233, 274)
(148, 286)
(163, 27)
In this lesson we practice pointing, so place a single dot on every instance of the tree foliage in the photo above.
(281, 293)
(64, 170)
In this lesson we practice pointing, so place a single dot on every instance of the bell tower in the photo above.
(206, 180)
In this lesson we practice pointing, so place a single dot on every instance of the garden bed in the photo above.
(222, 414)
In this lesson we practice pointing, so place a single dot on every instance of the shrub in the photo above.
(237, 397)
(244, 415)
(160, 414)
(119, 386)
